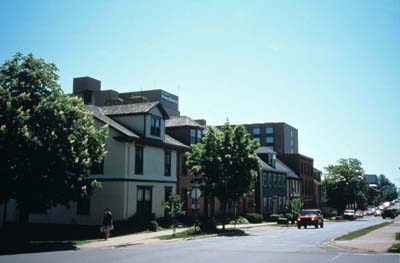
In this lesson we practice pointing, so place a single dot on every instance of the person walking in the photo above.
(107, 223)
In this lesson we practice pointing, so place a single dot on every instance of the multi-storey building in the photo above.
(279, 136)
(89, 89)
(303, 166)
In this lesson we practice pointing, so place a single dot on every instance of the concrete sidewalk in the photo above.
(149, 238)
(379, 240)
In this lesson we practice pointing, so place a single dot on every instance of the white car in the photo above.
(378, 212)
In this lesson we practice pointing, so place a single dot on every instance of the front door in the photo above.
(144, 200)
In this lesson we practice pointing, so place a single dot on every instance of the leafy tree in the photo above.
(296, 204)
(47, 140)
(389, 195)
(344, 184)
(174, 207)
(204, 163)
(227, 163)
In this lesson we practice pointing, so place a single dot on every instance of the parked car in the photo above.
(349, 214)
(370, 212)
(359, 214)
(389, 212)
(310, 217)
(378, 212)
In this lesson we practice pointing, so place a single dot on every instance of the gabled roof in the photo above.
(182, 121)
(99, 114)
(281, 166)
(133, 109)
(128, 135)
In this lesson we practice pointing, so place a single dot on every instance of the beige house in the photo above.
(139, 171)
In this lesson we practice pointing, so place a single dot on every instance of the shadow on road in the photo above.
(38, 247)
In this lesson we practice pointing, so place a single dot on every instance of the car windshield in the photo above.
(349, 211)
(308, 213)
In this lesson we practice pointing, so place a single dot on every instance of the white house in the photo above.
(139, 171)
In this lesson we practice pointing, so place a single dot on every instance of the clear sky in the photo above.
(329, 68)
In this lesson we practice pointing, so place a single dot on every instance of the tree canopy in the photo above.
(47, 140)
(344, 184)
(226, 163)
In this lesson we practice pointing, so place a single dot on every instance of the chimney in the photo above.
(202, 122)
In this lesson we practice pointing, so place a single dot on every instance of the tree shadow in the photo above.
(38, 247)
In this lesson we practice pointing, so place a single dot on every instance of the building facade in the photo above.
(303, 166)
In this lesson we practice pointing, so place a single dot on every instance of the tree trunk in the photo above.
(223, 215)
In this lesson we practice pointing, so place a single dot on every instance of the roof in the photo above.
(99, 114)
(281, 166)
(132, 109)
(264, 149)
(182, 121)
(264, 165)
(128, 134)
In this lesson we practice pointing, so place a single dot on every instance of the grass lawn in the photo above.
(361, 232)
(396, 247)
(191, 233)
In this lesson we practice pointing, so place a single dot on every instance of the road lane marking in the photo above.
(334, 258)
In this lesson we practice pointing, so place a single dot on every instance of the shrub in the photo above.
(334, 213)
(254, 217)
(153, 225)
(207, 225)
(274, 217)
(240, 220)
(165, 222)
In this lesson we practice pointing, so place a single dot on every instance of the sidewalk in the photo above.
(149, 238)
(379, 240)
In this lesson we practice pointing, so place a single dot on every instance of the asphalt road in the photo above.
(267, 244)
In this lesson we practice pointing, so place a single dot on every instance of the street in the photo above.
(263, 244)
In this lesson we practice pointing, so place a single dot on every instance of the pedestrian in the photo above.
(107, 223)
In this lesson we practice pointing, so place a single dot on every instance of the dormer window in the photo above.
(192, 136)
(271, 159)
(199, 135)
(155, 126)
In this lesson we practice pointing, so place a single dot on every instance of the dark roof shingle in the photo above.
(182, 121)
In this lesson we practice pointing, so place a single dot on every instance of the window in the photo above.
(83, 206)
(265, 202)
(269, 139)
(269, 130)
(97, 167)
(270, 204)
(192, 136)
(199, 136)
(167, 163)
(257, 139)
(144, 200)
(155, 126)
(139, 160)
(275, 179)
(256, 131)
(269, 179)
(265, 179)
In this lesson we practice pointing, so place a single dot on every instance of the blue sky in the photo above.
(329, 68)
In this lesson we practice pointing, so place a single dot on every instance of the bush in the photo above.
(153, 225)
(240, 221)
(334, 213)
(207, 225)
(274, 217)
(254, 218)
(165, 222)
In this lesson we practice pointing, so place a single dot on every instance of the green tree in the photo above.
(47, 140)
(344, 184)
(296, 205)
(227, 162)
(174, 207)
(389, 195)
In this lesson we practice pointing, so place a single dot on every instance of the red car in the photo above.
(310, 217)
(359, 214)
